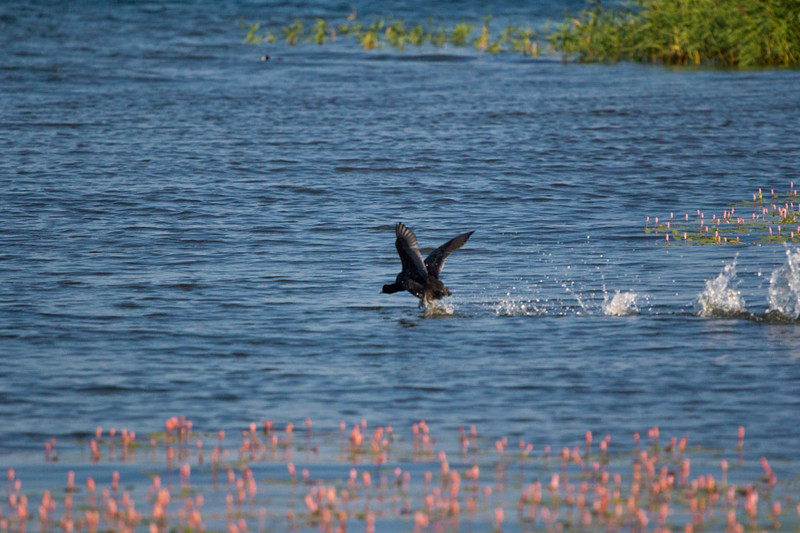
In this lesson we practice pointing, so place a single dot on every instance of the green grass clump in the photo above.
(461, 33)
(320, 31)
(685, 32)
(417, 35)
(293, 33)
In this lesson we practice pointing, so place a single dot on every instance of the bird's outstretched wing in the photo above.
(408, 249)
(435, 261)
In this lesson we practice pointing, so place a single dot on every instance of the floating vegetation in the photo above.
(771, 220)
(274, 478)
(677, 32)
(380, 33)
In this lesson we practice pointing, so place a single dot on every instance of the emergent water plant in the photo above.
(762, 220)
(680, 32)
(380, 33)
(673, 32)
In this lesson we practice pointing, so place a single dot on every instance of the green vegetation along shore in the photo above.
(686, 32)
(672, 32)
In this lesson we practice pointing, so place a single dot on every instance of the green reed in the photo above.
(681, 32)
(672, 32)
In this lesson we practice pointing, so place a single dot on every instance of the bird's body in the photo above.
(421, 278)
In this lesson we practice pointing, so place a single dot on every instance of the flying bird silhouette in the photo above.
(421, 278)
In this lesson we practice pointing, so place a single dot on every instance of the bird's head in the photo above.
(389, 289)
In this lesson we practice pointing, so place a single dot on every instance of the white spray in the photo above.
(784, 287)
(720, 297)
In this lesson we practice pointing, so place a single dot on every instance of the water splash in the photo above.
(584, 308)
(621, 304)
(511, 306)
(784, 287)
(438, 308)
(720, 297)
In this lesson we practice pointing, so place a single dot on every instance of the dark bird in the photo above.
(421, 278)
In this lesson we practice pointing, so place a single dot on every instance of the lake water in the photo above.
(188, 230)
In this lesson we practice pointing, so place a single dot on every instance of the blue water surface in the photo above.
(187, 229)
